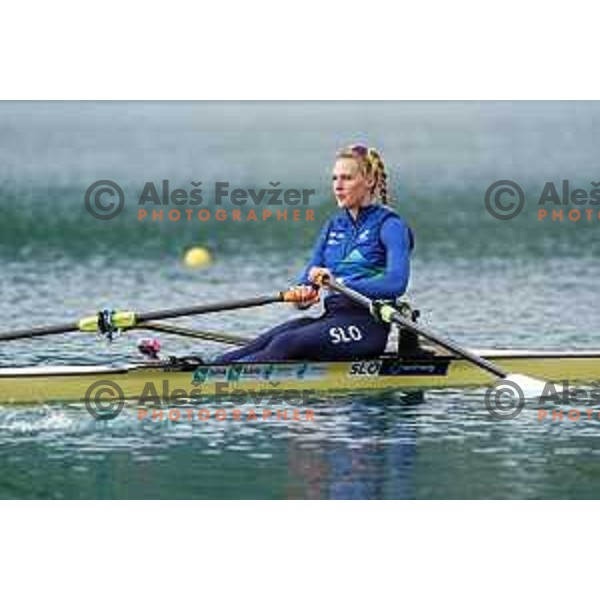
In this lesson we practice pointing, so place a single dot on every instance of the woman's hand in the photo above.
(317, 274)
(303, 296)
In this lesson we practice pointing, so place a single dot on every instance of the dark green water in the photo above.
(485, 282)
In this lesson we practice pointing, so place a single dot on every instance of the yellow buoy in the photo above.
(197, 257)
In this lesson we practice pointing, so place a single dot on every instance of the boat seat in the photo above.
(402, 341)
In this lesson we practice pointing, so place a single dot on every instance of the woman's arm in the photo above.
(316, 259)
(397, 239)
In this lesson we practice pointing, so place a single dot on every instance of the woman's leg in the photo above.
(330, 337)
(263, 340)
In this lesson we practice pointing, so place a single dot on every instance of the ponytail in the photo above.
(378, 172)
(372, 165)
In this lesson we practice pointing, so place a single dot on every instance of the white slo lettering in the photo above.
(355, 332)
(345, 335)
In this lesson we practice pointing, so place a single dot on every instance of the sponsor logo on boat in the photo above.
(395, 366)
(270, 372)
(209, 373)
(365, 368)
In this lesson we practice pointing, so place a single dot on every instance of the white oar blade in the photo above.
(507, 397)
(529, 386)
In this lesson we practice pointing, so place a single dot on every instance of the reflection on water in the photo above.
(423, 445)
(362, 449)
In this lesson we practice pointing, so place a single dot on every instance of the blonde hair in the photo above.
(371, 164)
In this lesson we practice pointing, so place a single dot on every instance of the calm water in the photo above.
(485, 282)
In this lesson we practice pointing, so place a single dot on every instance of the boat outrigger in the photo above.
(443, 364)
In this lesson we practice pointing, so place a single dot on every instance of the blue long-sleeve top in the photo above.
(370, 255)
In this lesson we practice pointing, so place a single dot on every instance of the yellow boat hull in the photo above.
(296, 379)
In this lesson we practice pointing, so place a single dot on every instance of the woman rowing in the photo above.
(367, 246)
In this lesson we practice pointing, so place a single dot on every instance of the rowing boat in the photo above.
(189, 378)
(445, 364)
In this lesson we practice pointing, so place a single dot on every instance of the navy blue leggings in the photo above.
(335, 335)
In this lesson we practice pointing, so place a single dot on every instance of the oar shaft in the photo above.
(21, 334)
(395, 316)
(128, 320)
(158, 315)
(449, 345)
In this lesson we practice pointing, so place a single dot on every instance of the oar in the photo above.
(129, 319)
(529, 385)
